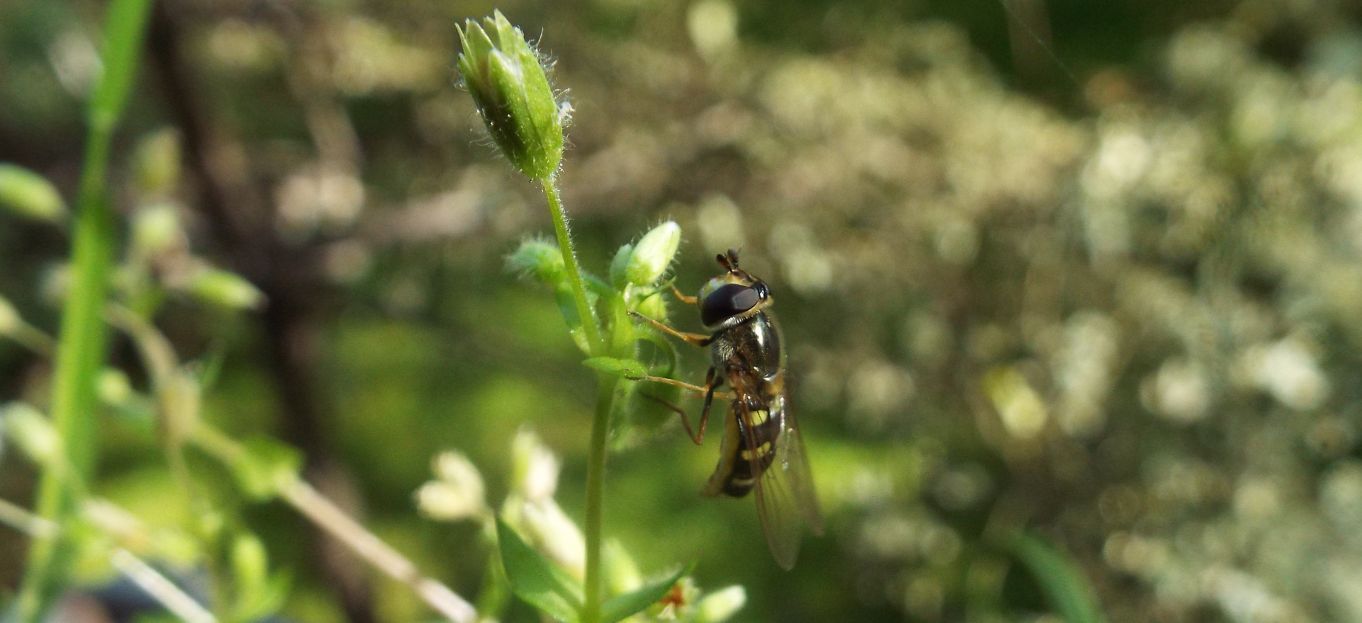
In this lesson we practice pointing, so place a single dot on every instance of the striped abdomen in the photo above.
(754, 450)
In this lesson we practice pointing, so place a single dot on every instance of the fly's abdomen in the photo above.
(755, 451)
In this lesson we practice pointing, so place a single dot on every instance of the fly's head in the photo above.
(733, 296)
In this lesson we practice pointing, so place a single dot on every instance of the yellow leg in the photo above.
(689, 300)
(698, 389)
(711, 384)
(695, 339)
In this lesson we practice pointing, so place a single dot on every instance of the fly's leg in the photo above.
(712, 381)
(694, 339)
(688, 300)
(700, 390)
(711, 384)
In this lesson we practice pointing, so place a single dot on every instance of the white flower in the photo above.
(721, 604)
(534, 467)
(458, 491)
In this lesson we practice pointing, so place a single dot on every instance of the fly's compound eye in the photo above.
(728, 301)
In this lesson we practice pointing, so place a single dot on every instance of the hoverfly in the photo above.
(762, 449)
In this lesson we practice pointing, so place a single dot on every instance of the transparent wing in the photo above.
(785, 496)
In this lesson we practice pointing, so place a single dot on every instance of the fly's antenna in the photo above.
(728, 260)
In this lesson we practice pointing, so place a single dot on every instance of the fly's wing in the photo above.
(785, 495)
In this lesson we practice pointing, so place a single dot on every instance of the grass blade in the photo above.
(1065, 587)
(80, 353)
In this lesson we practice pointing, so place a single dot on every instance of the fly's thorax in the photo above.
(752, 346)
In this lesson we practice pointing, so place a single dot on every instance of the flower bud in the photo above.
(721, 604)
(442, 501)
(654, 307)
(114, 387)
(512, 94)
(156, 163)
(156, 230)
(10, 321)
(540, 258)
(220, 287)
(653, 254)
(31, 431)
(30, 195)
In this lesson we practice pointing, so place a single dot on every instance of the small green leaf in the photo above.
(627, 368)
(266, 467)
(620, 606)
(1064, 584)
(535, 580)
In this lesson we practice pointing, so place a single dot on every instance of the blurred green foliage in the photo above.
(1118, 313)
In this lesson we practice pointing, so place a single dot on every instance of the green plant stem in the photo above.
(600, 423)
(595, 499)
(80, 354)
(560, 229)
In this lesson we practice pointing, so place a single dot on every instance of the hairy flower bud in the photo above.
(653, 254)
(512, 94)
(540, 258)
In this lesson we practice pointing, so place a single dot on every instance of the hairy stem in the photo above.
(595, 499)
(560, 229)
